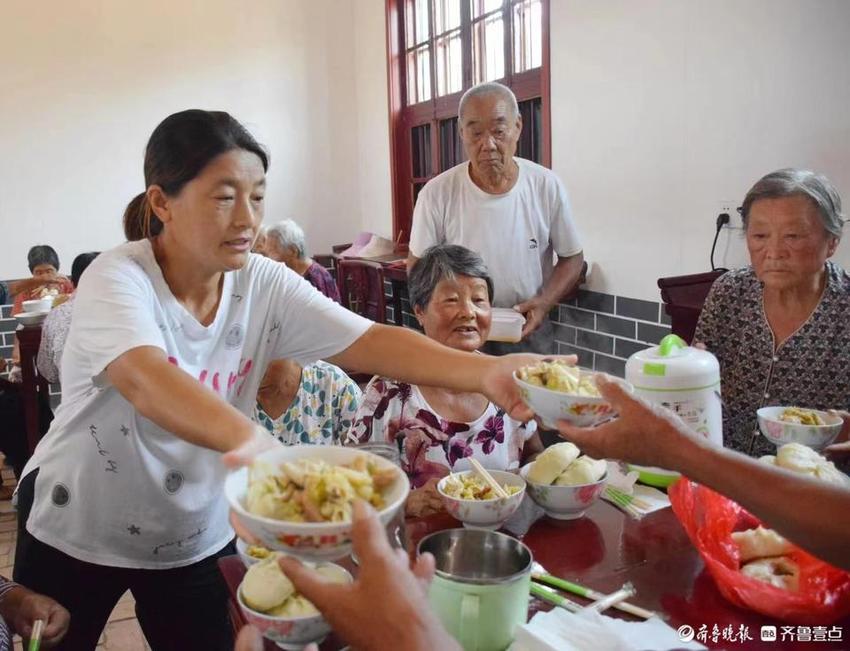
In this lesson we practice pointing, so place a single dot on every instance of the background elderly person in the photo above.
(285, 243)
(54, 331)
(315, 404)
(260, 242)
(438, 429)
(515, 213)
(43, 264)
(781, 326)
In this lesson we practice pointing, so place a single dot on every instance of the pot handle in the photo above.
(469, 607)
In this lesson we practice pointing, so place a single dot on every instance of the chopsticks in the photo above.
(628, 590)
(538, 574)
(35, 637)
(547, 594)
(628, 503)
(488, 478)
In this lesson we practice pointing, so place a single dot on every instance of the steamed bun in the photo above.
(583, 470)
(759, 543)
(265, 586)
(781, 572)
(804, 460)
(798, 457)
(553, 461)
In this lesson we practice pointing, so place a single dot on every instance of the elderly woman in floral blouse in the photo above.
(314, 404)
(438, 430)
(781, 326)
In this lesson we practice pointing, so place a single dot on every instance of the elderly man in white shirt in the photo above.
(511, 211)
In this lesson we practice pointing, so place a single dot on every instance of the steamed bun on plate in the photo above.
(583, 470)
(760, 543)
(780, 572)
(552, 462)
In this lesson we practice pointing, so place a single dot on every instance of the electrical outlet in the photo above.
(731, 208)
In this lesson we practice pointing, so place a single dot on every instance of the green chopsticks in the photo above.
(35, 636)
(581, 591)
(547, 594)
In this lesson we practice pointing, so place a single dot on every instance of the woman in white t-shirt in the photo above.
(170, 335)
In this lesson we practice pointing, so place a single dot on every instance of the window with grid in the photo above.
(440, 48)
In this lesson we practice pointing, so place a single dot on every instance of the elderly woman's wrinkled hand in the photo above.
(642, 433)
(386, 607)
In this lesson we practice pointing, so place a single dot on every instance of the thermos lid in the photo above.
(673, 365)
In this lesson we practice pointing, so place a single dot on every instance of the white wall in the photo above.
(664, 108)
(84, 84)
(661, 110)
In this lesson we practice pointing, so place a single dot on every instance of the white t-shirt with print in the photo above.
(114, 488)
(517, 233)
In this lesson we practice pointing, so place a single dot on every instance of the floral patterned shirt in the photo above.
(809, 369)
(431, 446)
(322, 411)
(54, 332)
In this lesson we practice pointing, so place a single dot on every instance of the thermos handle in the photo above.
(469, 622)
(670, 343)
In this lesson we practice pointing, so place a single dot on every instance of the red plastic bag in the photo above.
(709, 520)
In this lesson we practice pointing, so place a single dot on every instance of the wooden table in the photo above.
(605, 549)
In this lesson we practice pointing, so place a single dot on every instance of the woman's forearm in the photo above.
(807, 511)
(403, 354)
(177, 402)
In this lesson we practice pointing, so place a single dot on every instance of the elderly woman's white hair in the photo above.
(288, 233)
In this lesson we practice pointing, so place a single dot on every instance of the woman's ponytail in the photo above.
(139, 220)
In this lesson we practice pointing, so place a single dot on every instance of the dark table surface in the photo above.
(604, 550)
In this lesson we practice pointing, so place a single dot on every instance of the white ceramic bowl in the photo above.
(484, 514)
(552, 406)
(242, 550)
(38, 305)
(288, 632)
(28, 319)
(779, 432)
(312, 541)
(564, 502)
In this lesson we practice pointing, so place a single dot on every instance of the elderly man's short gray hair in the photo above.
(489, 88)
(791, 182)
(288, 233)
(444, 262)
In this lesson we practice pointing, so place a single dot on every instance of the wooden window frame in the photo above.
(402, 118)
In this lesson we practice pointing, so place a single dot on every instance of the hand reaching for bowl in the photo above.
(386, 607)
(261, 441)
(499, 386)
(642, 433)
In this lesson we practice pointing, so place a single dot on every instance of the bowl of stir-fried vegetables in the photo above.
(557, 391)
(810, 427)
(468, 498)
(299, 499)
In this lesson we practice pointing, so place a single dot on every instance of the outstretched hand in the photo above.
(642, 433)
(244, 455)
(499, 386)
(404, 620)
